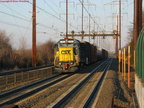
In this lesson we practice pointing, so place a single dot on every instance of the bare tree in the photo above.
(45, 53)
(24, 53)
(5, 51)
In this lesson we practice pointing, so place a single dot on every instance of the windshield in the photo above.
(66, 45)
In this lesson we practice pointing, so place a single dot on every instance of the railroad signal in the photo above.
(115, 32)
(72, 32)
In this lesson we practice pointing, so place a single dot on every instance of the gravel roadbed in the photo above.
(47, 97)
(82, 95)
(52, 94)
(16, 85)
(114, 86)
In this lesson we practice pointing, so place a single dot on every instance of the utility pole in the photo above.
(137, 19)
(82, 18)
(34, 34)
(120, 24)
(117, 38)
(66, 14)
(66, 18)
(89, 26)
(140, 16)
(118, 2)
(137, 24)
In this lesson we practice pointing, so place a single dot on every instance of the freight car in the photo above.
(72, 54)
(101, 54)
(104, 54)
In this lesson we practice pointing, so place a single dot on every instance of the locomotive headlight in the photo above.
(71, 63)
(60, 63)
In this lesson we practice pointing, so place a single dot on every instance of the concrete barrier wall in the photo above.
(139, 89)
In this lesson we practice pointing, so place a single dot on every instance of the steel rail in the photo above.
(22, 96)
(79, 86)
(24, 70)
(11, 92)
(134, 101)
(96, 88)
(26, 86)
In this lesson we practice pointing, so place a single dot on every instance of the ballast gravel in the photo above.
(113, 86)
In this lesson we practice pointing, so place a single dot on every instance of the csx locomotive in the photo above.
(72, 54)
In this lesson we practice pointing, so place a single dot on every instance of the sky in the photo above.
(16, 20)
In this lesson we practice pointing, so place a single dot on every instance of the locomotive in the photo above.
(72, 54)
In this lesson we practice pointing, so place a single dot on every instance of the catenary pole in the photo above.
(34, 34)
(120, 24)
(66, 18)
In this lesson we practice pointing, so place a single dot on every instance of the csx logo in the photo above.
(65, 52)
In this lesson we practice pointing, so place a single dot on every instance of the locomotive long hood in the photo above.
(66, 54)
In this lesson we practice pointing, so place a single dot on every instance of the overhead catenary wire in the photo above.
(12, 24)
(20, 26)
(14, 16)
(89, 14)
(64, 21)
(59, 9)
(14, 11)
(54, 10)
(25, 20)
(16, 22)
(50, 7)
(30, 20)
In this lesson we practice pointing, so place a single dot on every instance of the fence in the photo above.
(17, 78)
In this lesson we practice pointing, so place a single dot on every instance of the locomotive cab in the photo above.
(67, 55)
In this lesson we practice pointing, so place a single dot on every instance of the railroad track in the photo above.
(94, 93)
(16, 95)
(82, 95)
(24, 70)
(12, 79)
(20, 93)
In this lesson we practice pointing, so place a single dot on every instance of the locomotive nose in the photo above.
(66, 65)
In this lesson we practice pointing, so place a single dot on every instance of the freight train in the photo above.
(101, 54)
(72, 54)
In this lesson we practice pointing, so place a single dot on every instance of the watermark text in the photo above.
(6, 1)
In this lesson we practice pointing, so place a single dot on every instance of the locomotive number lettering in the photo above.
(65, 52)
